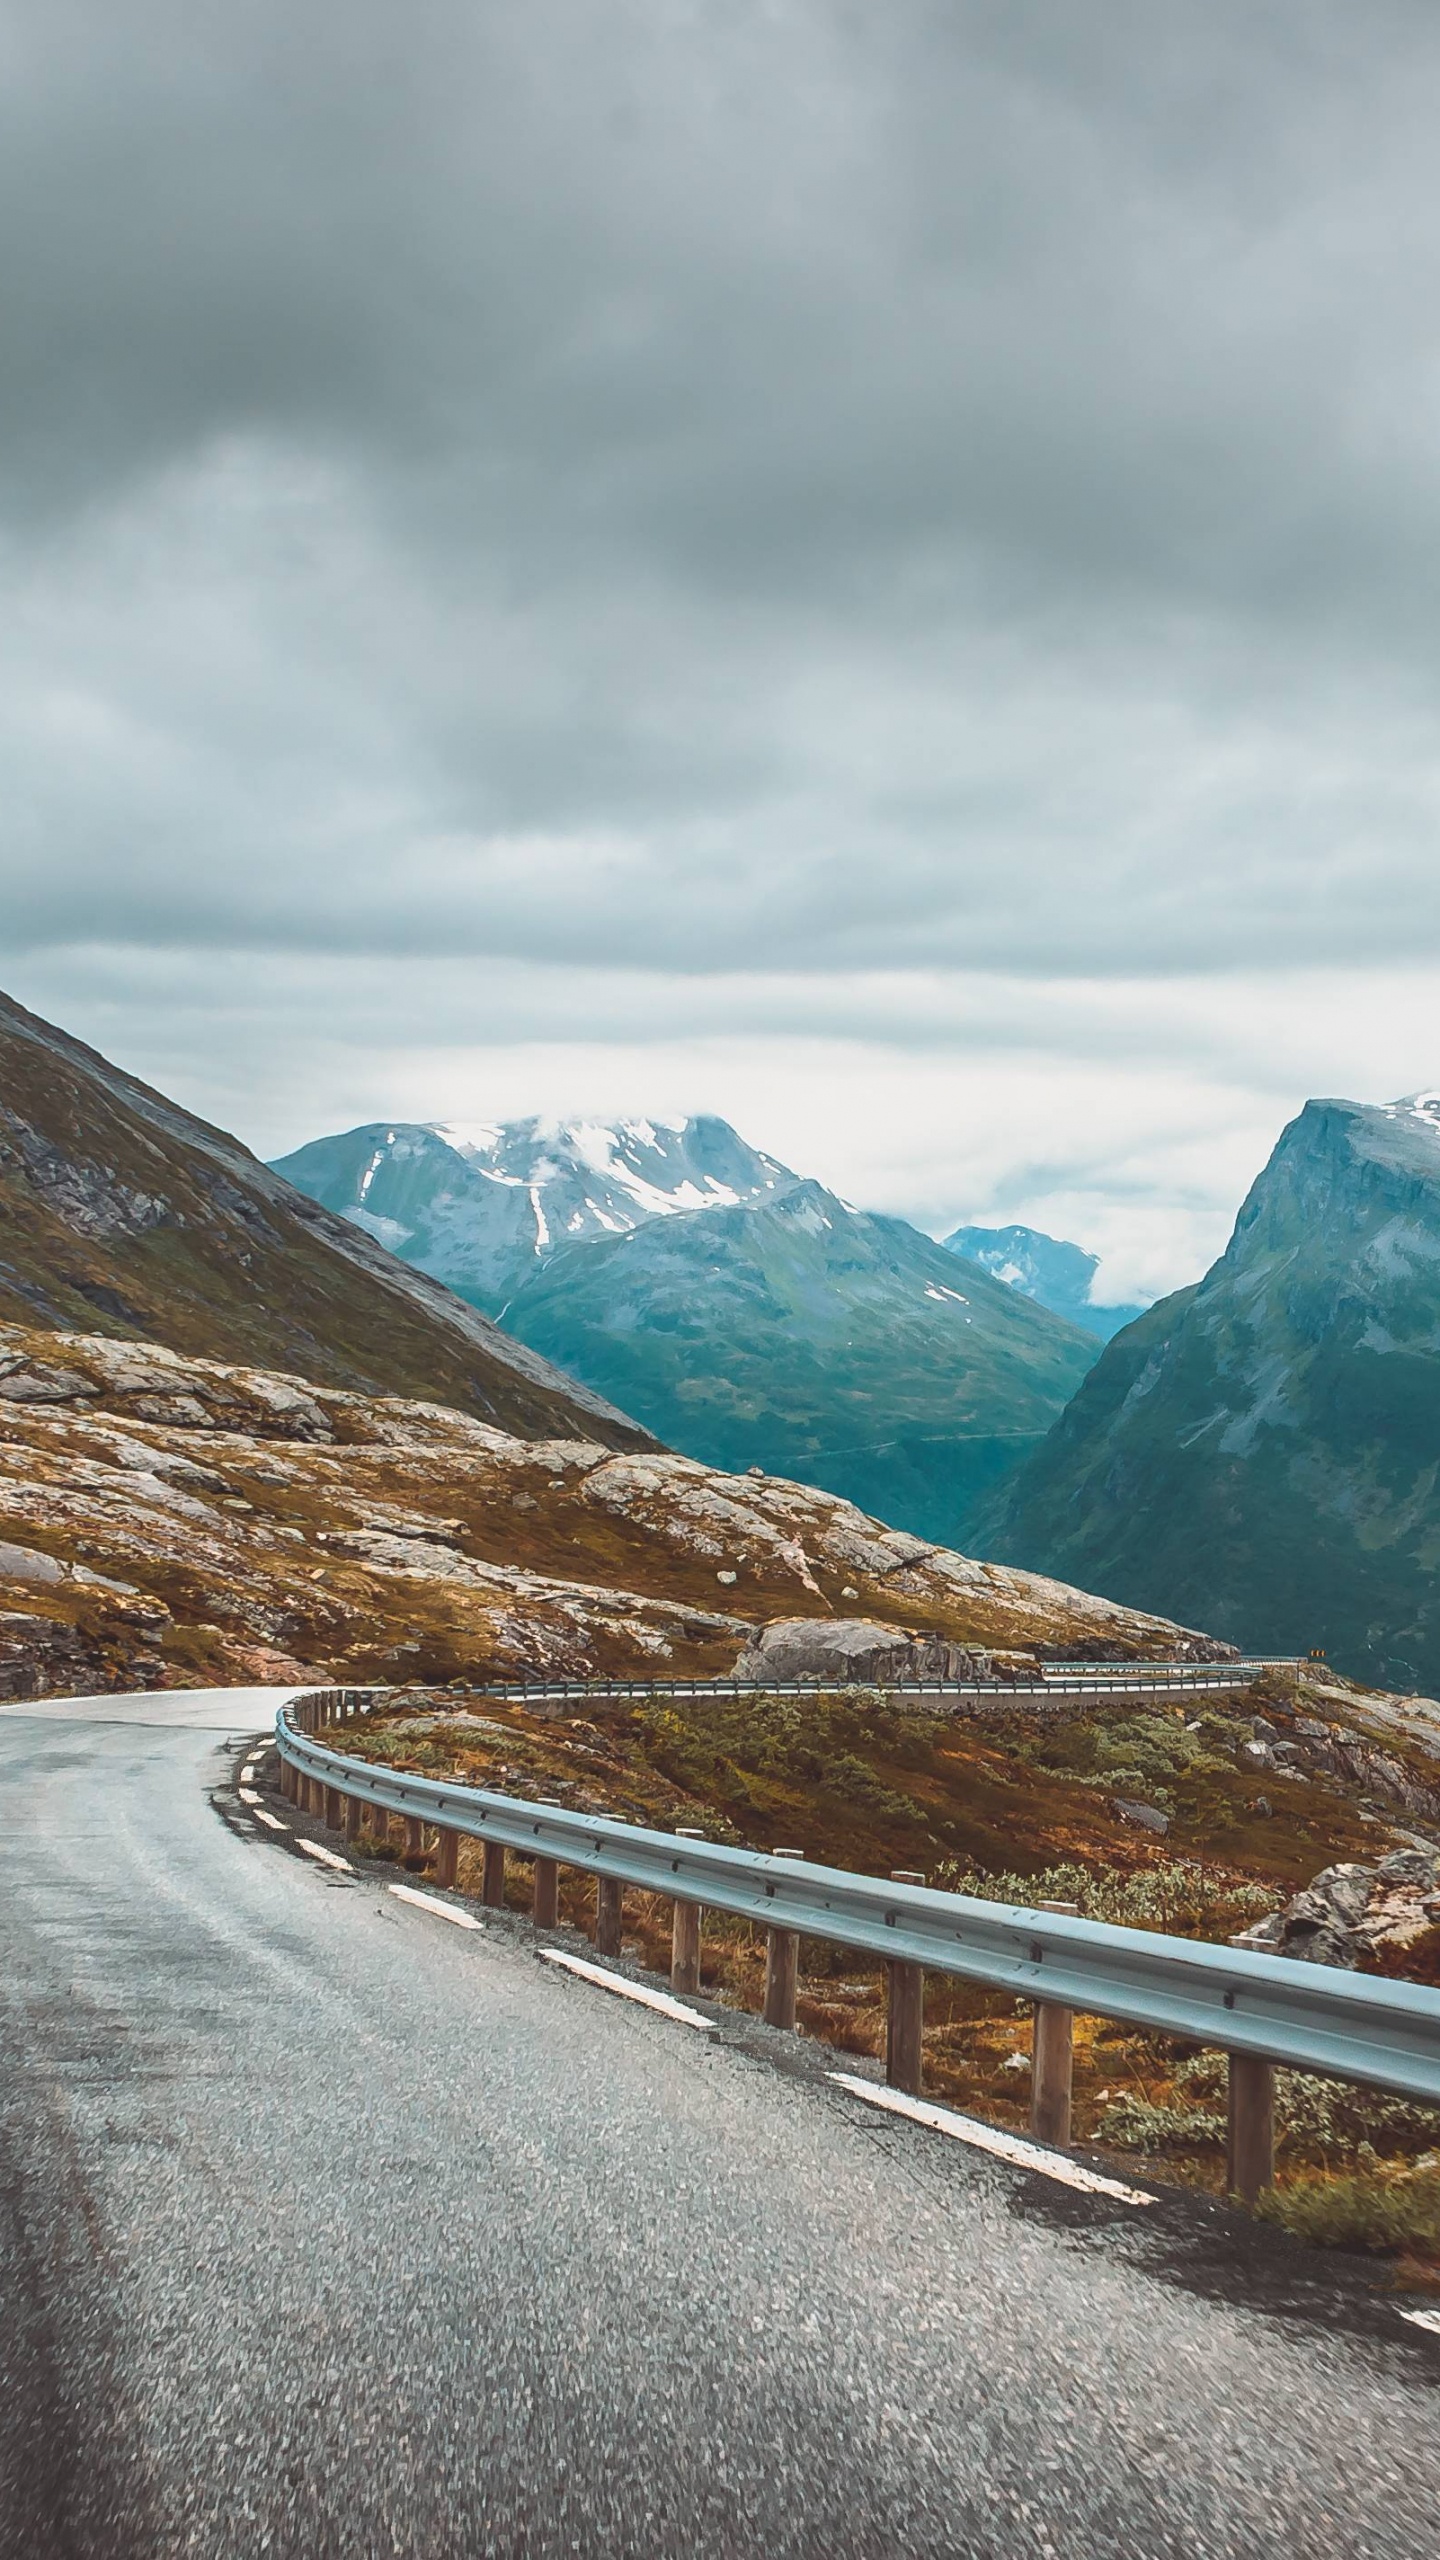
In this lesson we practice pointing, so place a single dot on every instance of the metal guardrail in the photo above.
(1059, 1679)
(1267, 2009)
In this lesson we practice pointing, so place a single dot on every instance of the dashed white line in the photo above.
(429, 1902)
(248, 1796)
(270, 1820)
(627, 1990)
(988, 2137)
(326, 1857)
(1424, 2320)
(247, 1774)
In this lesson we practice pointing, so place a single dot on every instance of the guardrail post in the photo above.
(414, 1837)
(905, 2012)
(1250, 2130)
(492, 1875)
(447, 1852)
(609, 1915)
(545, 1902)
(1052, 2064)
(782, 1966)
(333, 1813)
(685, 1936)
(354, 1816)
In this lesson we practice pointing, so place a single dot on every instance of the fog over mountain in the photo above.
(879, 563)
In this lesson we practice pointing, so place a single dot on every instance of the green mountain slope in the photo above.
(122, 1214)
(818, 1342)
(1261, 1453)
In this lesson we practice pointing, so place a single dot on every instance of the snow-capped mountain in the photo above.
(481, 1204)
(1056, 1275)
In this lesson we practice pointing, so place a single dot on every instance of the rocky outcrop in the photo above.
(1349, 1914)
(854, 1650)
(262, 1518)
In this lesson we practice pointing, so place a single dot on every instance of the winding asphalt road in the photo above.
(328, 2229)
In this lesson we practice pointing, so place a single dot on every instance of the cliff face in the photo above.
(123, 1214)
(1262, 1452)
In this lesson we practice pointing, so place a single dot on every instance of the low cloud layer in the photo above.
(664, 547)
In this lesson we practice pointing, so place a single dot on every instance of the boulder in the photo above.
(1348, 1912)
(852, 1651)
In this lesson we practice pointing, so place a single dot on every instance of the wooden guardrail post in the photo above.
(492, 1875)
(1250, 2127)
(685, 1937)
(414, 1836)
(1052, 2062)
(545, 1902)
(1052, 2068)
(354, 1816)
(905, 2013)
(447, 1854)
(782, 1966)
(333, 1813)
(609, 1915)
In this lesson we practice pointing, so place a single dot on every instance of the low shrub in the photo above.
(1371, 2208)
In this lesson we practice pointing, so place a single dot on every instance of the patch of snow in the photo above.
(386, 1231)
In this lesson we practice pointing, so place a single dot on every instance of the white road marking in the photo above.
(988, 2137)
(326, 1857)
(247, 1774)
(442, 1910)
(269, 1819)
(1424, 2320)
(248, 1796)
(596, 1973)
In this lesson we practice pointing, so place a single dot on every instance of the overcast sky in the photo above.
(871, 568)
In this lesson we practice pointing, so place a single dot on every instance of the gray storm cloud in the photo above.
(777, 491)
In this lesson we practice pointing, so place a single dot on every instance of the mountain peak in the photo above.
(1055, 1274)
(480, 1203)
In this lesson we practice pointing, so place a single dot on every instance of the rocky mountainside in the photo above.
(1262, 1451)
(480, 1206)
(122, 1213)
(172, 1520)
(818, 1341)
(1056, 1275)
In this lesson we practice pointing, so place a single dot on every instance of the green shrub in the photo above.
(1369, 2209)
(1181, 1897)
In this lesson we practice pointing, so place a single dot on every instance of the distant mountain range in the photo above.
(480, 1205)
(1056, 1275)
(1261, 1452)
(749, 1317)
(121, 1214)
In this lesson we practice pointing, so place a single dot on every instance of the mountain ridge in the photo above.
(122, 1209)
(1264, 1446)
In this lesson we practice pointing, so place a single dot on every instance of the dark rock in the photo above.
(1146, 1817)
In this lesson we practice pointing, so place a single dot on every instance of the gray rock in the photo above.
(27, 1564)
(1146, 1817)
(851, 1650)
(38, 1383)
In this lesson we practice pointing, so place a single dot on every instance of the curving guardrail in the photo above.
(1051, 1680)
(1260, 2009)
